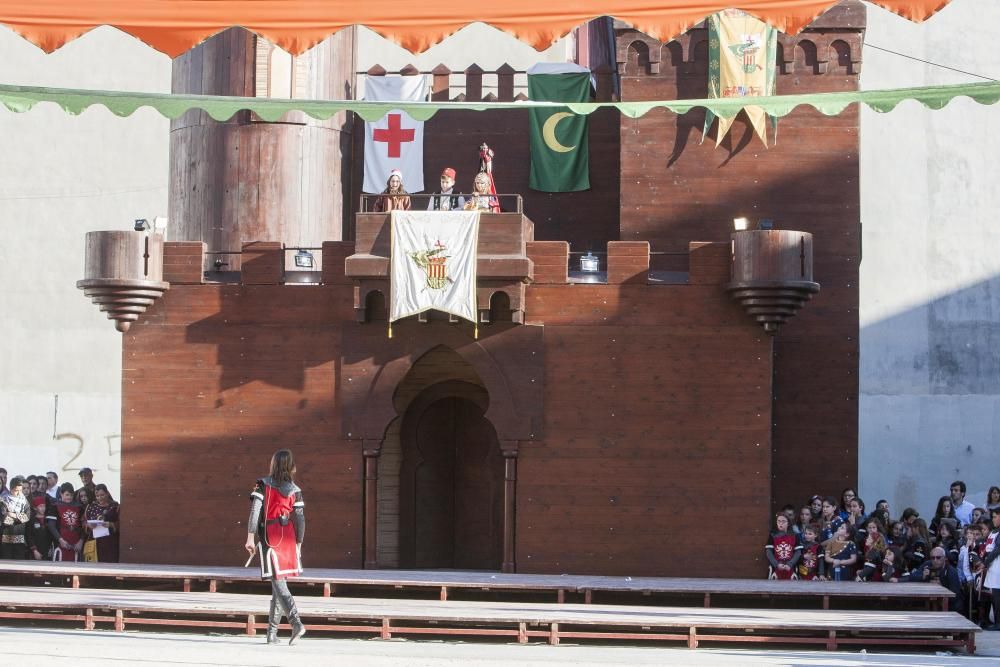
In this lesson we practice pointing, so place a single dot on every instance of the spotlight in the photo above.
(765, 223)
(142, 225)
(304, 259)
(740, 224)
(590, 263)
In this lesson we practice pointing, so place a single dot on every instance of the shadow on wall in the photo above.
(930, 400)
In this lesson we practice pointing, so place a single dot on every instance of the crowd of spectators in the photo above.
(41, 519)
(837, 539)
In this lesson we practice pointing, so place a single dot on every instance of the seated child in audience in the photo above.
(811, 564)
(889, 560)
(840, 552)
(827, 516)
(884, 520)
(855, 512)
(816, 505)
(947, 539)
(915, 554)
(805, 518)
(782, 550)
(898, 535)
(944, 510)
(874, 548)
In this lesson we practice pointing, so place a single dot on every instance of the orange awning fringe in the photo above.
(174, 26)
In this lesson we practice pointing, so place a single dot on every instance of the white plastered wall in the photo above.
(930, 292)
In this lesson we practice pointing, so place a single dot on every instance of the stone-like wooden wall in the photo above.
(657, 431)
(675, 189)
(214, 381)
(635, 411)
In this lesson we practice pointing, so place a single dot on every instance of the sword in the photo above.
(250, 560)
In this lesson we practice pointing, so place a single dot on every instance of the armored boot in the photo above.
(273, 621)
(298, 627)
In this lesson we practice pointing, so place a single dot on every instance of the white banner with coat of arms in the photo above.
(433, 263)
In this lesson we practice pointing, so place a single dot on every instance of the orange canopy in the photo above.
(174, 26)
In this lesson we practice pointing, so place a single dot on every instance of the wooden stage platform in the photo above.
(445, 585)
(522, 622)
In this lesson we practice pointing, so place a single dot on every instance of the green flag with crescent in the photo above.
(559, 148)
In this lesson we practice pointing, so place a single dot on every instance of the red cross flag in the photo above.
(396, 141)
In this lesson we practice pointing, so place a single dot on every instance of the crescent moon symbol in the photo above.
(549, 132)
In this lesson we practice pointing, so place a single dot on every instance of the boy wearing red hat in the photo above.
(446, 199)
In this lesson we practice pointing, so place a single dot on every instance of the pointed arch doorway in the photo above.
(450, 481)
(442, 476)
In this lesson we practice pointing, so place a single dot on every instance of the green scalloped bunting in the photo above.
(23, 98)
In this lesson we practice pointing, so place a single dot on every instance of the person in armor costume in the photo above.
(66, 525)
(278, 522)
(782, 550)
(15, 512)
(446, 199)
(811, 563)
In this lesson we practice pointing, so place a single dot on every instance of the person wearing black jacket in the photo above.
(936, 569)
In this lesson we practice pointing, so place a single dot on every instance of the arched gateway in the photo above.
(441, 426)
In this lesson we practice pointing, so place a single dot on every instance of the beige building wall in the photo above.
(60, 177)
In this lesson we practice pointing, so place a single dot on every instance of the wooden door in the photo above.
(452, 480)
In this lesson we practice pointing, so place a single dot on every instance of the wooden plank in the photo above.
(511, 613)
(497, 581)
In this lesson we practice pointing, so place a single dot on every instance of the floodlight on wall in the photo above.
(740, 224)
(590, 263)
(304, 259)
(765, 224)
(142, 225)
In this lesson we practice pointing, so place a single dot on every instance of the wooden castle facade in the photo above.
(642, 425)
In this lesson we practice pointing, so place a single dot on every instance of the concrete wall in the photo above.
(61, 176)
(930, 275)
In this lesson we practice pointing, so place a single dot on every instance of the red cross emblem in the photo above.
(394, 136)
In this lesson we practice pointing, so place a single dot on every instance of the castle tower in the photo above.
(243, 179)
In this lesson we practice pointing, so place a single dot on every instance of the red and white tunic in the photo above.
(280, 528)
(783, 548)
(68, 522)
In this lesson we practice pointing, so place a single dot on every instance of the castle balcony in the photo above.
(503, 266)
